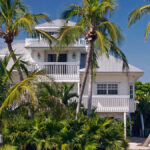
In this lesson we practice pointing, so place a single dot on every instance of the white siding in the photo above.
(35, 56)
(121, 80)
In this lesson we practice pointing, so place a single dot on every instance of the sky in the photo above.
(136, 49)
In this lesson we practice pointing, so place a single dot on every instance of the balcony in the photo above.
(117, 103)
(41, 43)
(59, 71)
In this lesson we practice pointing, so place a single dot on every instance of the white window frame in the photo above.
(107, 87)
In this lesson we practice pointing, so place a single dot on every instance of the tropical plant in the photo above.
(21, 91)
(139, 13)
(45, 132)
(61, 91)
(142, 114)
(100, 33)
(14, 16)
(6, 73)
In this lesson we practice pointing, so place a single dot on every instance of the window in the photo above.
(131, 92)
(112, 89)
(107, 89)
(102, 89)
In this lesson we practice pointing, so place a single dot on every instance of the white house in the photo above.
(113, 88)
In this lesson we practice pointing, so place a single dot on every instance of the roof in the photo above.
(19, 48)
(112, 64)
(55, 24)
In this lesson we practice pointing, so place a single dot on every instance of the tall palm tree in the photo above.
(137, 14)
(100, 33)
(14, 17)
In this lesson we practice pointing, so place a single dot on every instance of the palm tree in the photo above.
(22, 91)
(61, 92)
(137, 14)
(6, 74)
(14, 16)
(99, 32)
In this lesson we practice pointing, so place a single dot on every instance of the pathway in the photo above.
(135, 144)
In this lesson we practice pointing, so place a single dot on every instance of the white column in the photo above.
(125, 125)
(78, 88)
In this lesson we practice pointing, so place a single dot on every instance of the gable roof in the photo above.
(112, 64)
(55, 24)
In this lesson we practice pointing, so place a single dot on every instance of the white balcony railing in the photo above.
(33, 42)
(59, 70)
(119, 103)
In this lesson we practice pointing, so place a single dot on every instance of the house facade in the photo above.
(113, 87)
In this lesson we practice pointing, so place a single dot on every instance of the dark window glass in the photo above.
(112, 89)
(102, 89)
(107, 89)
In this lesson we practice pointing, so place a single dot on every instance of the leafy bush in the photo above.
(44, 132)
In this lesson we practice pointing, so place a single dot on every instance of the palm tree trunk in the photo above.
(88, 60)
(90, 87)
(14, 59)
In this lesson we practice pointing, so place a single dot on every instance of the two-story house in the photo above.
(113, 88)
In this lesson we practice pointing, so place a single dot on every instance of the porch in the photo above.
(59, 71)
(113, 103)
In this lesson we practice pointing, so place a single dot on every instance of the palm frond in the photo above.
(16, 92)
(69, 35)
(101, 41)
(46, 36)
(147, 31)
(72, 11)
(113, 30)
(138, 13)
(119, 54)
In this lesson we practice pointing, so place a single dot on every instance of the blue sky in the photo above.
(136, 49)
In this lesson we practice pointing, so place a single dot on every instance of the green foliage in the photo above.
(139, 13)
(6, 74)
(142, 93)
(60, 91)
(15, 16)
(53, 125)
(45, 132)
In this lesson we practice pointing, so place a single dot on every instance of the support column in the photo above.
(78, 88)
(125, 125)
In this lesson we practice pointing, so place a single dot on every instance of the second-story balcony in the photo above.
(33, 42)
(59, 71)
(112, 103)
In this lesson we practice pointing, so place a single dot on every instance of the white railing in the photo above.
(59, 70)
(119, 103)
(33, 42)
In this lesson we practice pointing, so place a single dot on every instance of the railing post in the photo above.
(125, 125)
